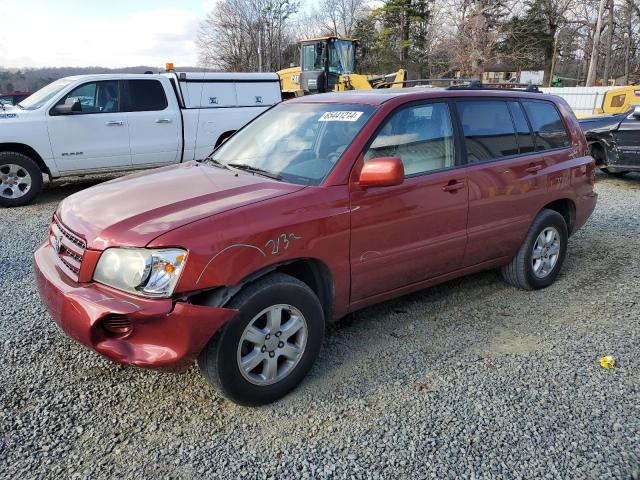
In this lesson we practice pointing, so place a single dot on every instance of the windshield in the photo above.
(45, 94)
(299, 143)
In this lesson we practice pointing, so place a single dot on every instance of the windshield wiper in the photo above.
(252, 169)
(217, 163)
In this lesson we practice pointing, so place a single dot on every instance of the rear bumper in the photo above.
(585, 205)
(163, 334)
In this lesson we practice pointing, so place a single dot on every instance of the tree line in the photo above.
(583, 41)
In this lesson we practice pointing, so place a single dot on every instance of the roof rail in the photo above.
(478, 85)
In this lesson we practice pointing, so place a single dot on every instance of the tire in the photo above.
(220, 360)
(528, 273)
(20, 179)
(615, 174)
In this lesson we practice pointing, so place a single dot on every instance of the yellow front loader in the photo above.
(328, 64)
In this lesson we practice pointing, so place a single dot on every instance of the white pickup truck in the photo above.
(104, 123)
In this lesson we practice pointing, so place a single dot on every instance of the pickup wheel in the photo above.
(265, 351)
(539, 259)
(20, 179)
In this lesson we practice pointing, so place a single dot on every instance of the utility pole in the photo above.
(593, 64)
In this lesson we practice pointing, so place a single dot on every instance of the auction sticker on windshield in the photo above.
(341, 116)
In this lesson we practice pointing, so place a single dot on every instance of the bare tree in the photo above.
(593, 64)
(339, 17)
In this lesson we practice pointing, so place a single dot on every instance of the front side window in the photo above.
(145, 96)
(420, 135)
(298, 142)
(312, 57)
(547, 125)
(96, 97)
(488, 130)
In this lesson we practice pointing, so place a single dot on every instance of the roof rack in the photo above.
(478, 85)
(430, 82)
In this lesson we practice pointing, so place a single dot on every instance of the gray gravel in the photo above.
(470, 379)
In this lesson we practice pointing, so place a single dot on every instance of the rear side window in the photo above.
(488, 130)
(525, 140)
(146, 96)
(547, 125)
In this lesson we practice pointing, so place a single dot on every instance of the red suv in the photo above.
(318, 207)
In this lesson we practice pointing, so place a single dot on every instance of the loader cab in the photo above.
(323, 61)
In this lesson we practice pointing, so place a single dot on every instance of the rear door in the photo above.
(417, 230)
(154, 123)
(95, 138)
(628, 139)
(506, 172)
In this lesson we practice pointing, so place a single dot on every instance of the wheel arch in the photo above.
(29, 152)
(598, 144)
(567, 208)
(311, 271)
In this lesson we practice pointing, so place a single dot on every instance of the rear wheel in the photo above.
(266, 351)
(539, 259)
(20, 179)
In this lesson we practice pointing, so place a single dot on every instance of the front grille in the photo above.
(68, 246)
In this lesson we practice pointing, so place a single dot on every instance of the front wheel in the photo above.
(20, 179)
(539, 259)
(266, 351)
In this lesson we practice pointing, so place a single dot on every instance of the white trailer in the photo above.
(583, 100)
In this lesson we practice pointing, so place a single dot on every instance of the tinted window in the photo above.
(421, 136)
(146, 95)
(96, 97)
(547, 125)
(488, 130)
(525, 140)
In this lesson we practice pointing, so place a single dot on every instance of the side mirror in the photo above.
(382, 172)
(636, 112)
(70, 105)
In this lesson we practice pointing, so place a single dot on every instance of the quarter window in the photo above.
(547, 125)
(97, 97)
(421, 136)
(146, 96)
(488, 130)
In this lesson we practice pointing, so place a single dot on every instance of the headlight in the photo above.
(147, 272)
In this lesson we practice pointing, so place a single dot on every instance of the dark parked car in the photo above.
(13, 98)
(614, 141)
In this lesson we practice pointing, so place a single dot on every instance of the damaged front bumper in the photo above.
(150, 333)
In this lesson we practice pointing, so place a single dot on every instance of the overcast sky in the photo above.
(108, 33)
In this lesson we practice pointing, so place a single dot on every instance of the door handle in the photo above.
(114, 123)
(533, 168)
(453, 186)
(163, 120)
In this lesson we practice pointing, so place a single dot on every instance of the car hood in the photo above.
(133, 210)
(601, 122)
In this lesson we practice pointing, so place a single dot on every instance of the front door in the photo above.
(154, 125)
(95, 138)
(411, 232)
(628, 139)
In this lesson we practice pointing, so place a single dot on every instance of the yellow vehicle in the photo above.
(328, 64)
(619, 100)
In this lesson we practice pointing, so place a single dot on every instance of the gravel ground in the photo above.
(469, 379)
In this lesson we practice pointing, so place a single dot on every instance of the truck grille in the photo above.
(68, 246)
